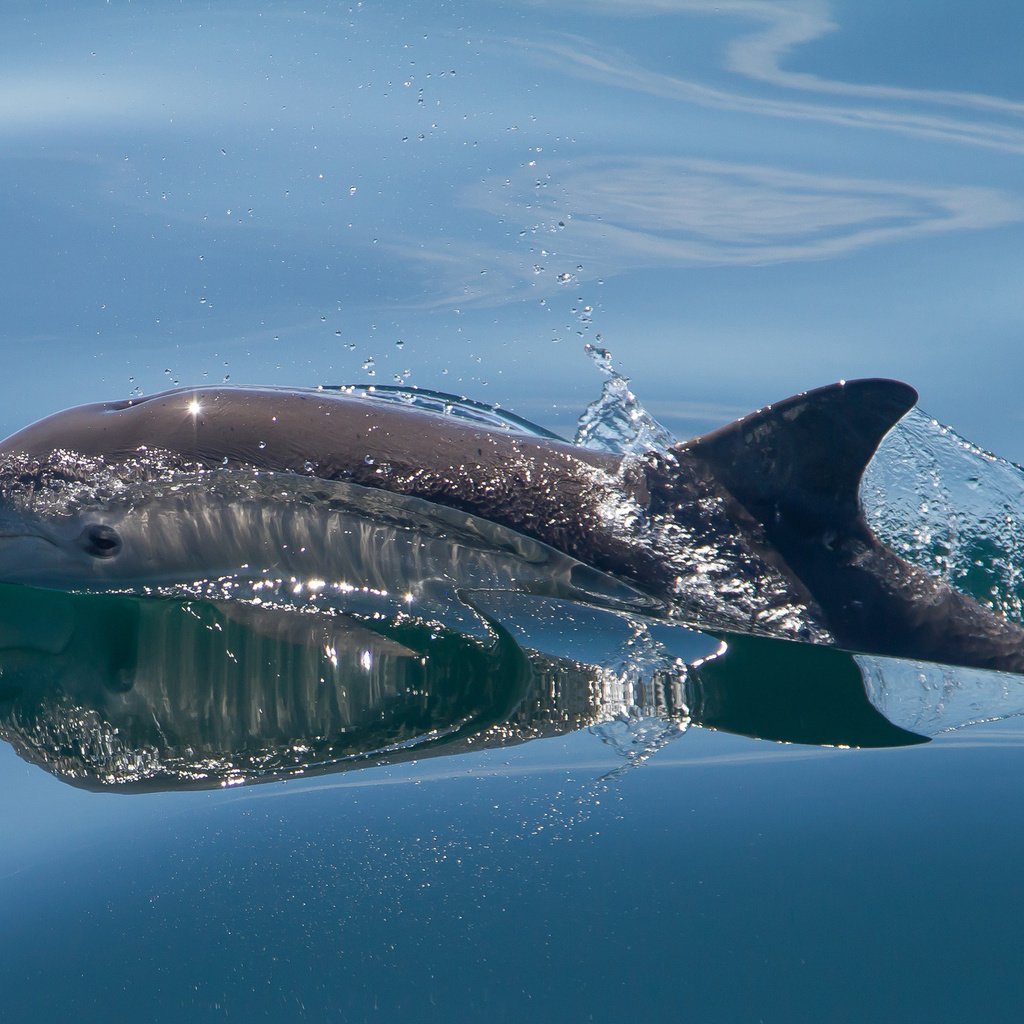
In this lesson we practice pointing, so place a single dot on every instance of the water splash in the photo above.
(929, 699)
(617, 422)
(957, 511)
(642, 699)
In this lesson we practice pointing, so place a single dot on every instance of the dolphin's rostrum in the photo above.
(754, 528)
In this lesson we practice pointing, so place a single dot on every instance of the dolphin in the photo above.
(755, 528)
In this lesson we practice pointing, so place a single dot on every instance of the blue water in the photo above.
(460, 197)
(728, 879)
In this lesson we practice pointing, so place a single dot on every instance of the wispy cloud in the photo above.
(599, 217)
(759, 56)
(581, 58)
(781, 26)
(666, 210)
(791, 23)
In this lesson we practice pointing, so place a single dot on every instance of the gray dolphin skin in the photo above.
(755, 528)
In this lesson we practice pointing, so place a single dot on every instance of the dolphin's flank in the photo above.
(755, 528)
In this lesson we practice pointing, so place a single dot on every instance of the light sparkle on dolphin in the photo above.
(754, 528)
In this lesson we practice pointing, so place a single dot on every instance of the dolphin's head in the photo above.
(74, 522)
(64, 550)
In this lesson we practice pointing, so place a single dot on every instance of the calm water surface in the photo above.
(740, 200)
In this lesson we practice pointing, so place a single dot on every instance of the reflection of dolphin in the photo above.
(106, 691)
(755, 528)
(117, 693)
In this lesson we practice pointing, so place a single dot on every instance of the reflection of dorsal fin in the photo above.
(803, 457)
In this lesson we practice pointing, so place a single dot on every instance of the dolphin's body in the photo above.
(754, 528)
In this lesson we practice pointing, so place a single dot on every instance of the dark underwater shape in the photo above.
(141, 694)
(755, 528)
(110, 692)
(153, 694)
(794, 693)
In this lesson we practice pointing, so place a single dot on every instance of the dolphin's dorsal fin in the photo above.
(803, 458)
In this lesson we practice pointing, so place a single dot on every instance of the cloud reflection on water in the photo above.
(609, 67)
(758, 54)
(592, 218)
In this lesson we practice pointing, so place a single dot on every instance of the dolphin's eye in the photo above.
(100, 541)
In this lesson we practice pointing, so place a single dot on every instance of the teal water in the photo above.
(739, 202)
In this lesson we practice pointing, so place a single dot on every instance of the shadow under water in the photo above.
(140, 694)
